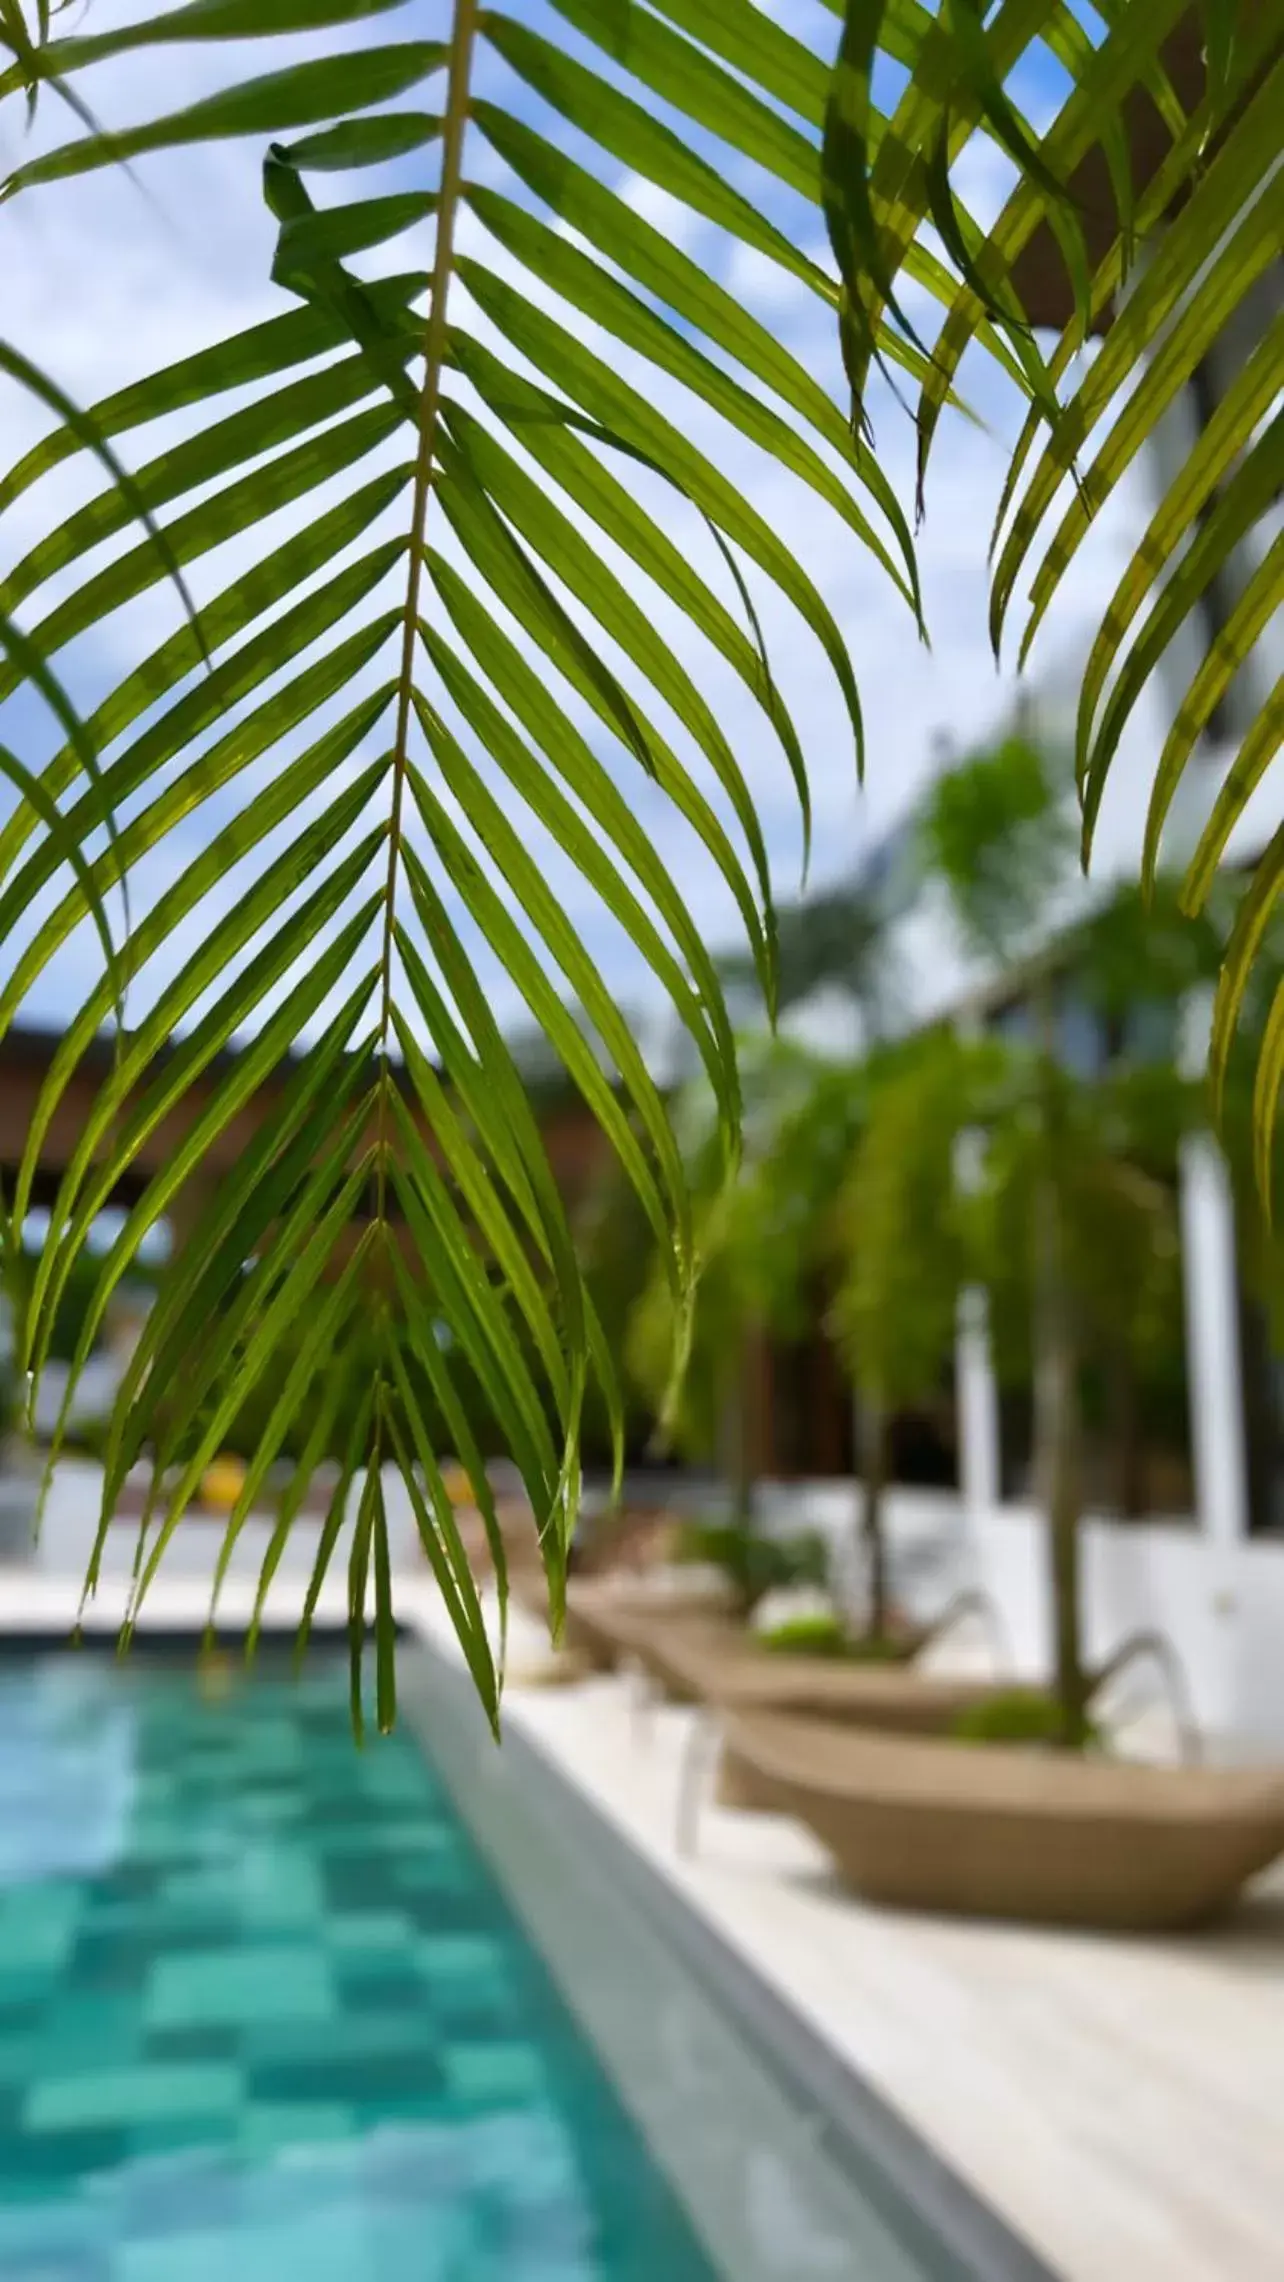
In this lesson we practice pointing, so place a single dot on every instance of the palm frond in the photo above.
(431, 680)
(1144, 222)
(373, 721)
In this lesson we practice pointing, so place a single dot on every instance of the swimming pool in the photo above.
(272, 2007)
(265, 2011)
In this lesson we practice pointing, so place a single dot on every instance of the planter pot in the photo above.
(601, 1612)
(736, 1786)
(966, 1830)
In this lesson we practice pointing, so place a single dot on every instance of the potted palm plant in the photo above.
(1075, 1213)
(812, 1212)
(758, 1242)
(762, 1243)
(900, 1249)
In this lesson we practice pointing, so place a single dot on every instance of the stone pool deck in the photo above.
(1119, 2103)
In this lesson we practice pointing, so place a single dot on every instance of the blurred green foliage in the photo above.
(1001, 838)
(753, 1563)
(904, 1237)
(848, 1210)
(763, 1239)
(817, 1635)
(829, 1637)
(1030, 1716)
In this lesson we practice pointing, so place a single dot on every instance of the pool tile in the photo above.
(96, 2021)
(318, 2250)
(37, 1929)
(119, 2097)
(86, 2266)
(236, 1985)
(261, 1890)
(454, 1958)
(495, 2074)
(38, 2163)
(321, 2045)
(267, 2126)
(173, 2187)
(377, 2076)
(367, 1932)
(207, 2043)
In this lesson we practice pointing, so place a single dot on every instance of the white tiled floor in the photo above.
(1120, 2103)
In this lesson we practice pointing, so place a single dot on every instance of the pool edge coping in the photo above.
(922, 2186)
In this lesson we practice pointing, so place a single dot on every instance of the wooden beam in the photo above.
(1039, 273)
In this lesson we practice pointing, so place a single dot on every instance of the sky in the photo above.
(110, 277)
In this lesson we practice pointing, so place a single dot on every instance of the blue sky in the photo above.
(107, 279)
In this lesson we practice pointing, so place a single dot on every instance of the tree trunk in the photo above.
(1058, 1426)
(1059, 1435)
(736, 1465)
(742, 1488)
(873, 1466)
(740, 1445)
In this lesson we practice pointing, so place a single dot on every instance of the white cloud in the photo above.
(768, 288)
(661, 209)
(982, 177)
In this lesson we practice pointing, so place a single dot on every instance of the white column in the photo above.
(977, 1395)
(975, 1389)
(1212, 1323)
(1212, 1343)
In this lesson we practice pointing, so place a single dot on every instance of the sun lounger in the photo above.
(997, 1831)
(608, 1619)
(728, 1671)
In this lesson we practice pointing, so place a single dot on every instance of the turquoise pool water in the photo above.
(265, 2014)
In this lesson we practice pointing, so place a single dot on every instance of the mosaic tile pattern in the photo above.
(265, 2014)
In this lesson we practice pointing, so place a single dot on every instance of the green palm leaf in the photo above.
(434, 685)
(1145, 215)
(391, 708)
